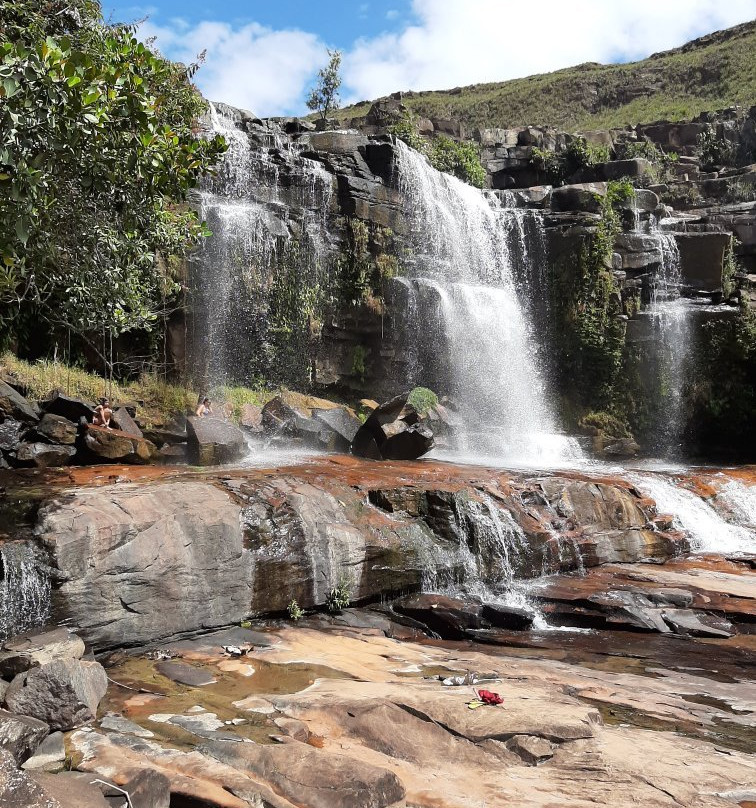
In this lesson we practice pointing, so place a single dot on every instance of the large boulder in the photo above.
(14, 405)
(450, 618)
(339, 427)
(44, 455)
(21, 734)
(123, 421)
(71, 408)
(213, 441)
(135, 564)
(64, 693)
(56, 429)
(11, 434)
(579, 197)
(38, 648)
(393, 432)
(113, 446)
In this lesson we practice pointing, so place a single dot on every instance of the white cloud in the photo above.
(459, 42)
(252, 67)
(451, 43)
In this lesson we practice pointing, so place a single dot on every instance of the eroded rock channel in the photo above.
(621, 649)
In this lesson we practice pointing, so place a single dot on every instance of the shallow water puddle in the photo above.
(234, 683)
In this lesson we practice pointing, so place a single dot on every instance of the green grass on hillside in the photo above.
(715, 72)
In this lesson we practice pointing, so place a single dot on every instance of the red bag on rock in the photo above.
(487, 697)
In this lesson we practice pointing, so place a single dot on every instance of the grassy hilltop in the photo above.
(710, 73)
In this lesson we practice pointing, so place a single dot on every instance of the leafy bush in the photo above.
(713, 151)
(422, 399)
(98, 150)
(560, 166)
(605, 422)
(461, 159)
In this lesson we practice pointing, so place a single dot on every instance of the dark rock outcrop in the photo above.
(70, 408)
(56, 429)
(43, 455)
(14, 405)
(213, 441)
(392, 431)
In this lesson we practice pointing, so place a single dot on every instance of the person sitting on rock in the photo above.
(102, 415)
(204, 409)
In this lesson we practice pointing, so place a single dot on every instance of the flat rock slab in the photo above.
(38, 648)
(184, 674)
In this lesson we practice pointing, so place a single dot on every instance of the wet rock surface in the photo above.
(213, 441)
(147, 560)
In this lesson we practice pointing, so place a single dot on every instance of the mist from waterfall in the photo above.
(470, 269)
(247, 206)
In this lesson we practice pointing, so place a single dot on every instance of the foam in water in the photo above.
(737, 500)
(707, 529)
(464, 256)
(24, 589)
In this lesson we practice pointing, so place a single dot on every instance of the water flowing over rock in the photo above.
(24, 588)
(466, 284)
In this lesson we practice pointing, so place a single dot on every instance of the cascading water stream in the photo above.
(464, 256)
(24, 589)
(673, 328)
(247, 205)
(706, 527)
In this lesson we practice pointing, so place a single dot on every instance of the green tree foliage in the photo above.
(558, 167)
(324, 96)
(97, 154)
(461, 159)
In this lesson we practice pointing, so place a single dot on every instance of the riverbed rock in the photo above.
(251, 418)
(35, 648)
(50, 754)
(450, 618)
(70, 790)
(44, 455)
(21, 734)
(64, 693)
(141, 563)
(14, 405)
(341, 423)
(213, 442)
(56, 429)
(697, 624)
(184, 674)
(11, 433)
(393, 431)
(317, 779)
(105, 445)
(18, 790)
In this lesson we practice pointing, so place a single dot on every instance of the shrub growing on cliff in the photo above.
(98, 153)
(461, 159)
(422, 399)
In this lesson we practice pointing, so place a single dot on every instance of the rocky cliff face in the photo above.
(135, 563)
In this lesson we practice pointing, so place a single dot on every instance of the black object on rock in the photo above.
(393, 431)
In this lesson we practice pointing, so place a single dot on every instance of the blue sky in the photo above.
(263, 56)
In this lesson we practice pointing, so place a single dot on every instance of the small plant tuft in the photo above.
(339, 597)
(294, 610)
(422, 399)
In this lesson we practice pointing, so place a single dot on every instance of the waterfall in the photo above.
(707, 529)
(24, 589)
(241, 274)
(673, 343)
(466, 249)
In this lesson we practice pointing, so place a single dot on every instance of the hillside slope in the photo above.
(710, 73)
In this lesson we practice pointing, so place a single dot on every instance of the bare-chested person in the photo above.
(102, 415)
